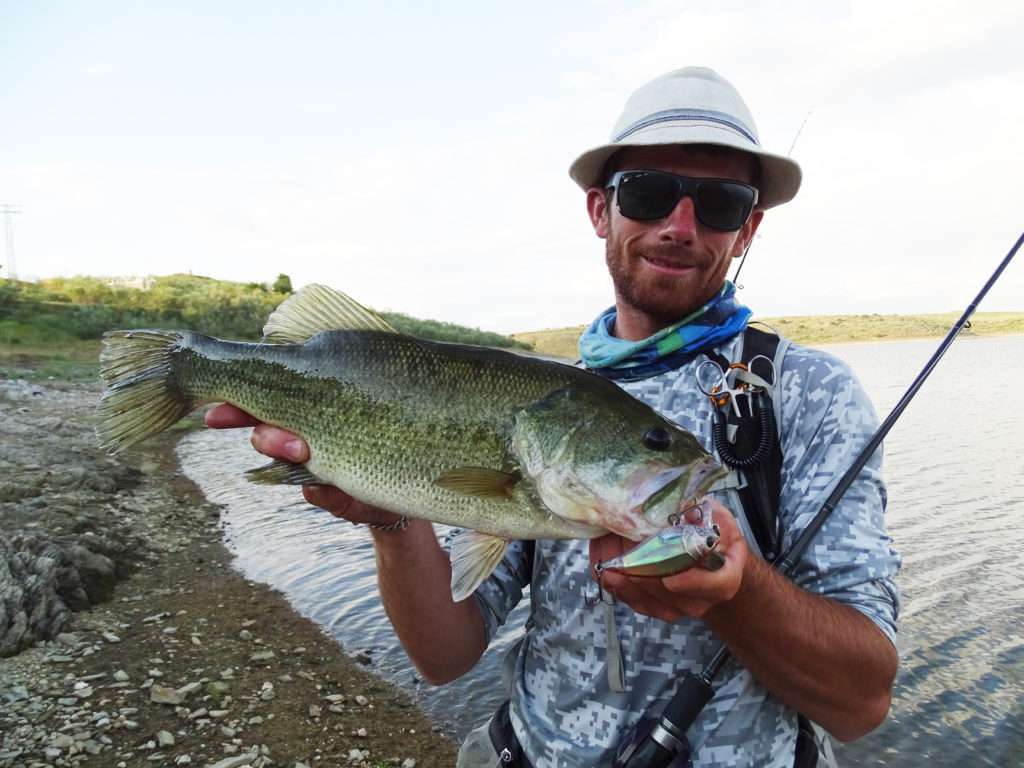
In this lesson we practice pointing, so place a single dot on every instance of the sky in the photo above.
(415, 155)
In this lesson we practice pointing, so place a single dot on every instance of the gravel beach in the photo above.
(126, 637)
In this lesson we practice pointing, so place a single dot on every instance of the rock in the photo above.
(409, 763)
(110, 637)
(262, 656)
(165, 739)
(362, 700)
(160, 694)
(17, 693)
(190, 688)
(245, 634)
(121, 676)
(237, 761)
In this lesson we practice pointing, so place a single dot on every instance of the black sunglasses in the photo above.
(720, 204)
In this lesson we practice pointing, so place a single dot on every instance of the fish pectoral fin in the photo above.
(317, 308)
(479, 481)
(474, 556)
(280, 472)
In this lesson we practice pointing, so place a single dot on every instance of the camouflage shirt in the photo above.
(563, 710)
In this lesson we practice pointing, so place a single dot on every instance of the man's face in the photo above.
(667, 268)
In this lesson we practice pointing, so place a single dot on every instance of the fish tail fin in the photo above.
(142, 395)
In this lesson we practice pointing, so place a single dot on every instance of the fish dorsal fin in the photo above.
(474, 555)
(478, 481)
(317, 308)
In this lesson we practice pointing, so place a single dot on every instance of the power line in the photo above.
(9, 211)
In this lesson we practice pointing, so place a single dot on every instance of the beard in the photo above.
(664, 299)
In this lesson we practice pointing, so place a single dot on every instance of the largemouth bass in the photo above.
(505, 445)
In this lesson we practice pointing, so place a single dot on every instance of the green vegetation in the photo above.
(283, 284)
(53, 327)
(822, 329)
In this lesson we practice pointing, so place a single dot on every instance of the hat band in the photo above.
(673, 115)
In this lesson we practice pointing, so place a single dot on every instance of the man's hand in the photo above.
(280, 444)
(691, 593)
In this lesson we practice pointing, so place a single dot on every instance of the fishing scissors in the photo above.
(726, 386)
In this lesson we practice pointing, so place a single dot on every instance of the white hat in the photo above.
(693, 105)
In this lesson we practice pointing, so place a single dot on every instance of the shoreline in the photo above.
(556, 346)
(177, 658)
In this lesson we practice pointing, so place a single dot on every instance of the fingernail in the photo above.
(295, 450)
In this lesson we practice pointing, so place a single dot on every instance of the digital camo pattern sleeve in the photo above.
(503, 589)
(827, 420)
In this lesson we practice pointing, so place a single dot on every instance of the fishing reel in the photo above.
(649, 744)
(660, 741)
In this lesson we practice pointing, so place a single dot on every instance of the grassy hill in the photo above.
(821, 329)
(53, 327)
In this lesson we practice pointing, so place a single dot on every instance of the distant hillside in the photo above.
(820, 329)
(68, 309)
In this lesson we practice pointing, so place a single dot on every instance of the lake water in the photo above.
(955, 469)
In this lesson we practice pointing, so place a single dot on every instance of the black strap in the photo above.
(503, 739)
(807, 752)
(760, 496)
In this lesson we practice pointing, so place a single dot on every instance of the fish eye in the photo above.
(657, 439)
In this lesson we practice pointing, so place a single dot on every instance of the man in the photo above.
(673, 196)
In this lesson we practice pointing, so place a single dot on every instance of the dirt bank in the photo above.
(135, 643)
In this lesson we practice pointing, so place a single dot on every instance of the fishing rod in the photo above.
(789, 152)
(666, 739)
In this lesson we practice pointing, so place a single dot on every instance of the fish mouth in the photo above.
(654, 489)
(703, 477)
(661, 485)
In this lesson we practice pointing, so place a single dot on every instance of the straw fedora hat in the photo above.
(693, 105)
